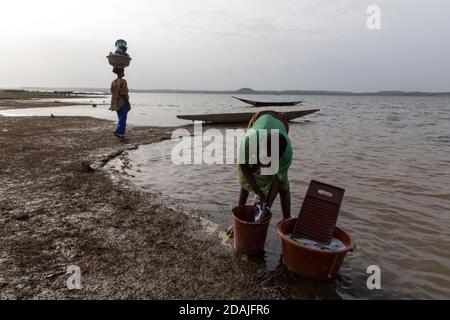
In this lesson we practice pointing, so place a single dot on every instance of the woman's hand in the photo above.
(248, 174)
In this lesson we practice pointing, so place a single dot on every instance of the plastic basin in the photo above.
(119, 61)
(312, 263)
(249, 238)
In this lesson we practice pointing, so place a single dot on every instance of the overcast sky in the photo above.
(228, 44)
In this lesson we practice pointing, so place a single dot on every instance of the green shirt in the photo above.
(269, 123)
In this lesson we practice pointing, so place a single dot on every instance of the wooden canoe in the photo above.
(239, 117)
(260, 104)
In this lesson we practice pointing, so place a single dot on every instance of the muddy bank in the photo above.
(55, 211)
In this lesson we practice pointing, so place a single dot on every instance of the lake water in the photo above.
(391, 154)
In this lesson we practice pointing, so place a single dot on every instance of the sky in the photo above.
(228, 44)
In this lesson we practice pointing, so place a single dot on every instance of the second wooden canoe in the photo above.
(259, 104)
(240, 117)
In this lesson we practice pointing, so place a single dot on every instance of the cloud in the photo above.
(223, 43)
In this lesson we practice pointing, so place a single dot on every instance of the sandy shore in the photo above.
(56, 212)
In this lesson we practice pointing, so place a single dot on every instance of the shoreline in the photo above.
(12, 104)
(33, 99)
(58, 208)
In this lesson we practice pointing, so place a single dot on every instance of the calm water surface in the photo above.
(391, 154)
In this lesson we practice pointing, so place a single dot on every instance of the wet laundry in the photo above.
(335, 244)
(262, 212)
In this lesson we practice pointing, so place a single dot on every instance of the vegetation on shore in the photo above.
(9, 94)
(20, 99)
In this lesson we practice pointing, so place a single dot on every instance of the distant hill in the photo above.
(249, 91)
(246, 91)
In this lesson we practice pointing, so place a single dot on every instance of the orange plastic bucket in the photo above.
(249, 238)
(312, 263)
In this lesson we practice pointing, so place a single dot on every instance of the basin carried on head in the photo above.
(119, 61)
(313, 263)
(249, 237)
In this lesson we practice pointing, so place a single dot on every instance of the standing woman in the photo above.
(120, 101)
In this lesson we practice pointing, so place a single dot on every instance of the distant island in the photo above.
(249, 91)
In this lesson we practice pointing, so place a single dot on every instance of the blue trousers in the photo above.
(122, 114)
